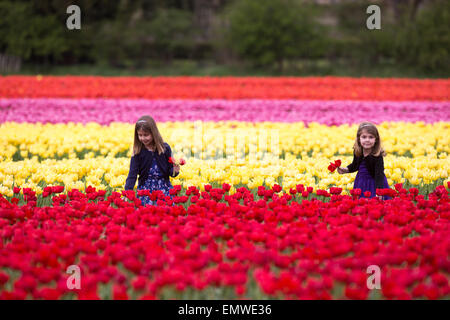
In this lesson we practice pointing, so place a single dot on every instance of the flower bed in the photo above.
(257, 211)
(243, 245)
(106, 111)
(308, 88)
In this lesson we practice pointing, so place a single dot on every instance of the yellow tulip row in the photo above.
(111, 172)
(218, 139)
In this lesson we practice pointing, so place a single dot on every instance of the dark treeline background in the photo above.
(274, 35)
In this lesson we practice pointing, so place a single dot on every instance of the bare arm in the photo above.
(342, 170)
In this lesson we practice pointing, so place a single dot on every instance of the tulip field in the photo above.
(254, 213)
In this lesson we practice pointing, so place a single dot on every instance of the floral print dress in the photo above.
(155, 181)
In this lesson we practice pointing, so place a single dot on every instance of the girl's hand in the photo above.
(176, 168)
(342, 170)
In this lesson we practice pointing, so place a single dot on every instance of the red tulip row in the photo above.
(311, 88)
(268, 244)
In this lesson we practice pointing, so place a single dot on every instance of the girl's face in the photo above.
(145, 137)
(367, 140)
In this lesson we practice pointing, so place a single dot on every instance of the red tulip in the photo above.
(333, 166)
(3, 278)
(276, 188)
(334, 190)
(57, 189)
(180, 162)
(337, 163)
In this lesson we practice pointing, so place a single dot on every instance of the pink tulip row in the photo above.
(329, 112)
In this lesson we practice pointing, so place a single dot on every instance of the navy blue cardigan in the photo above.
(141, 162)
(375, 166)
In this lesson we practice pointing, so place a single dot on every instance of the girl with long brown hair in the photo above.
(150, 160)
(368, 156)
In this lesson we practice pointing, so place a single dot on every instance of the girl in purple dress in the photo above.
(368, 161)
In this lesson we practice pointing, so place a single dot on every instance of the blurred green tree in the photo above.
(171, 31)
(135, 38)
(414, 33)
(425, 41)
(27, 35)
(268, 32)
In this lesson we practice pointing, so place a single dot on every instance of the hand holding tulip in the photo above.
(342, 170)
(334, 166)
(176, 164)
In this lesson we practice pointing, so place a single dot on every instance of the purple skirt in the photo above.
(365, 182)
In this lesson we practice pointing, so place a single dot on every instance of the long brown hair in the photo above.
(147, 124)
(371, 129)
